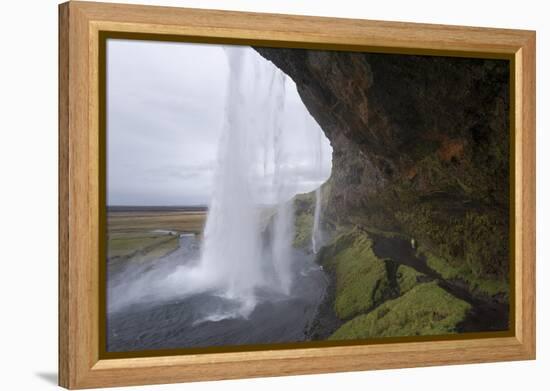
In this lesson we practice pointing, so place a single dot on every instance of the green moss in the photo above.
(362, 280)
(471, 246)
(303, 225)
(304, 203)
(304, 209)
(407, 278)
(426, 309)
(385, 233)
(476, 283)
(302, 231)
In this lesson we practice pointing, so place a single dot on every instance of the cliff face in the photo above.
(421, 147)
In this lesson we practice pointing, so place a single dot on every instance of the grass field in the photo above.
(179, 221)
(144, 235)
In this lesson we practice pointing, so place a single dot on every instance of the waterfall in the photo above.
(283, 224)
(264, 158)
(316, 233)
(283, 234)
(232, 233)
(232, 250)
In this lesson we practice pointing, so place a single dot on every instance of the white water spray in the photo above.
(283, 229)
(316, 232)
(233, 250)
(232, 234)
(264, 159)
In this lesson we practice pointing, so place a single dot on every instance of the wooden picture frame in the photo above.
(81, 364)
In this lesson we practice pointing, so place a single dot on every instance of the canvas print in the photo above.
(262, 196)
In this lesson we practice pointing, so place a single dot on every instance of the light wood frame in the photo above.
(80, 23)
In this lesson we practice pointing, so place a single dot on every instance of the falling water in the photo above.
(232, 233)
(316, 233)
(264, 159)
(282, 245)
(283, 230)
(232, 252)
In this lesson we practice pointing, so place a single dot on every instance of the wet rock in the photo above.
(421, 146)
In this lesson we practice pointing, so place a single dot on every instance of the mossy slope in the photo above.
(425, 309)
(362, 279)
(376, 297)
(407, 278)
(477, 284)
(303, 213)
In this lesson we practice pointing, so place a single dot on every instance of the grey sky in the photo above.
(165, 109)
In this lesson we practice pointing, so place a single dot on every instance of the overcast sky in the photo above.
(165, 110)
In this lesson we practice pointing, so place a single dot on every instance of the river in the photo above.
(203, 320)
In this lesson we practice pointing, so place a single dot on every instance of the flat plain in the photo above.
(149, 233)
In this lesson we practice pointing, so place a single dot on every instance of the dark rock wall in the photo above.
(421, 146)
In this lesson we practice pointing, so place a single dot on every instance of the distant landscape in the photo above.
(148, 243)
(149, 232)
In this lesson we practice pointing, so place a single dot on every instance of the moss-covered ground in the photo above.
(469, 247)
(477, 284)
(407, 278)
(362, 279)
(426, 309)
(377, 297)
(303, 228)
